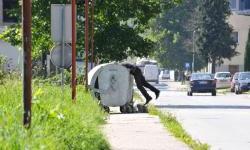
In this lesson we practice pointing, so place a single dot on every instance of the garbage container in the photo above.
(112, 85)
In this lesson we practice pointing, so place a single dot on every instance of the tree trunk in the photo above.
(213, 66)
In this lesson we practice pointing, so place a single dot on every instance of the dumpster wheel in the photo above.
(142, 108)
(106, 109)
(128, 108)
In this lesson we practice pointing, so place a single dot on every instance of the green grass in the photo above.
(137, 97)
(57, 123)
(224, 91)
(173, 126)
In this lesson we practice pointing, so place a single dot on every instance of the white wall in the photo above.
(1, 12)
(12, 54)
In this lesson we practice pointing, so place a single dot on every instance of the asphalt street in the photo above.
(221, 121)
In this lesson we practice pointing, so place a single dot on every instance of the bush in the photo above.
(57, 123)
(57, 79)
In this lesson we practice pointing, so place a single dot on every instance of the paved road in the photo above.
(223, 121)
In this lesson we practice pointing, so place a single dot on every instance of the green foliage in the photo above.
(171, 123)
(2, 72)
(118, 26)
(57, 78)
(175, 27)
(57, 123)
(5, 74)
(247, 54)
(12, 35)
(215, 42)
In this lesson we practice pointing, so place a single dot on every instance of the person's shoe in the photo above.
(147, 101)
(157, 94)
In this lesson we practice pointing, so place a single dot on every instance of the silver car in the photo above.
(243, 82)
(223, 79)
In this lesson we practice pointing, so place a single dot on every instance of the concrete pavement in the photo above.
(139, 132)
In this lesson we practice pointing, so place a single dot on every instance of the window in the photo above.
(244, 4)
(235, 37)
(233, 4)
(234, 68)
(8, 6)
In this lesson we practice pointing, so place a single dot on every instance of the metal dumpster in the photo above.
(112, 85)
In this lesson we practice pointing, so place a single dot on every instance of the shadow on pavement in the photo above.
(203, 106)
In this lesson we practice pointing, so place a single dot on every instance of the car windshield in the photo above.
(245, 76)
(223, 75)
(201, 77)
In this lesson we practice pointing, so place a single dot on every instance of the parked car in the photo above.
(233, 81)
(164, 74)
(223, 79)
(243, 82)
(201, 83)
(151, 73)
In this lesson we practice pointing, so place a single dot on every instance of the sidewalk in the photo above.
(139, 132)
(177, 86)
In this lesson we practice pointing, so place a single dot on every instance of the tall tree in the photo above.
(215, 42)
(175, 42)
(118, 27)
(247, 54)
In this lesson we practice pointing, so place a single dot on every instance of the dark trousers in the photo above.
(141, 83)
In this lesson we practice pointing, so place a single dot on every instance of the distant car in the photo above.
(164, 74)
(151, 73)
(201, 83)
(243, 83)
(233, 81)
(223, 79)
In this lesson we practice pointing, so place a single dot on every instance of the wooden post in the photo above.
(27, 75)
(92, 32)
(73, 80)
(86, 42)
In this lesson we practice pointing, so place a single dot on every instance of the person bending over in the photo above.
(141, 82)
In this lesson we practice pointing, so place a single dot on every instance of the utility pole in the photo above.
(73, 80)
(193, 50)
(27, 75)
(92, 32)
(86, 42)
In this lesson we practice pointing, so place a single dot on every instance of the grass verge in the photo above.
(173, 126)
(137, 97)
(224, 91)
(57, 123)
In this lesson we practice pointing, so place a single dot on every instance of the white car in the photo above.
(223, 79)
(164, 74)
(151, 73)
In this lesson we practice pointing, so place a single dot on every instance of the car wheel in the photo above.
(240, 92)
(157, 81)
(190, 93)
(232, 90)
(214, 93)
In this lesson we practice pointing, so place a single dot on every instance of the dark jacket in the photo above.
(134, 70)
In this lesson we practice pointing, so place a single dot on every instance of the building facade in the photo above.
(240, 21)
(12, 54)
